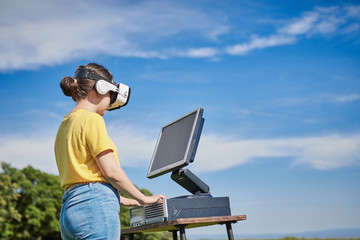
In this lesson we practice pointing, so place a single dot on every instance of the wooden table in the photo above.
(181, 224)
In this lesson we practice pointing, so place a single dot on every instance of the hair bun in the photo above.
(69, 86)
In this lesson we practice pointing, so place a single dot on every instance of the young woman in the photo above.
(88, 162)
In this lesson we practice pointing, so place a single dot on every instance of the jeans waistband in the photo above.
(68, 189)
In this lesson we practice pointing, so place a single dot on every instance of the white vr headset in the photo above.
(119, 93)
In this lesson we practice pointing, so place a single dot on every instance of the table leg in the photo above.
(229, 231)
(174, 233)
(127, 237)
(182, 233)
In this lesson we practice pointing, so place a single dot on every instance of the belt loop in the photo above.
(91, 185)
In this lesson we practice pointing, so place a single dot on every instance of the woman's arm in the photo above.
(129, 202)
(118, 178)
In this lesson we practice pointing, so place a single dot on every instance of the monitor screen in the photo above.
(177, 144)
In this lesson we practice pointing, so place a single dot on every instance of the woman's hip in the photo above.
(91, 210)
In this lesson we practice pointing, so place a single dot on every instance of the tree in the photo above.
(30, 205)
(9, 216)
(37, 199)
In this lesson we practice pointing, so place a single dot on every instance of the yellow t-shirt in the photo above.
(82, 136)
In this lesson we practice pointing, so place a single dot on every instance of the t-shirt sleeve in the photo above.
(96, 136)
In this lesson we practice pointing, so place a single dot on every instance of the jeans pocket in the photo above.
(78, 219)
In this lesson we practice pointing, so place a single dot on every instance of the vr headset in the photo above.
(119, 93)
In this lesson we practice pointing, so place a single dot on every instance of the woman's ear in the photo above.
(94, 97)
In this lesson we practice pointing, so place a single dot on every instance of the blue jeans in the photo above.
(91, 211)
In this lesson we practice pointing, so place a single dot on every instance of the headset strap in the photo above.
(83, 73)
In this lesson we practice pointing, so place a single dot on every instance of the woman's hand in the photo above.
(128, 202)
(152, 199)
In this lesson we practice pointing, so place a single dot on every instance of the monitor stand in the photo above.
(189, 181)
(200, 204)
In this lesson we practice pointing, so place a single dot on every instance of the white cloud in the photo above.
(134, 149)
(323, 21)
(319, 99)
(353, 11)
(328, 152)
(320, 21)
(21, 151)
(301, 26)
(38, 35)
(322, 153)
(215, 153)
(195, 52)
(347, 98)
(134, 146)
(260, 43)
(352, 28)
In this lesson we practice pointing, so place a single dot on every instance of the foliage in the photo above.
(30, 204)
(9, 216)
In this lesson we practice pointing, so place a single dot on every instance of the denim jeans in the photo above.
(91, 211)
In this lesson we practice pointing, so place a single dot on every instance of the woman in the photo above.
(88, 162)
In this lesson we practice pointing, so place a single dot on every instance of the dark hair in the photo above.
(80, 87)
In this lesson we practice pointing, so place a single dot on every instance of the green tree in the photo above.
(9, 216)
(37, 198)
(30, 204)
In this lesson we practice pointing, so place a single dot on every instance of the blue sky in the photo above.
(279, 82)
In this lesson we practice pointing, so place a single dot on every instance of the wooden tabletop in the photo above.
(174, 225)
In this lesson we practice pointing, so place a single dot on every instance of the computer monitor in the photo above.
(177, 144)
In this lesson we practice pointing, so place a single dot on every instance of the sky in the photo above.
(279, 82)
